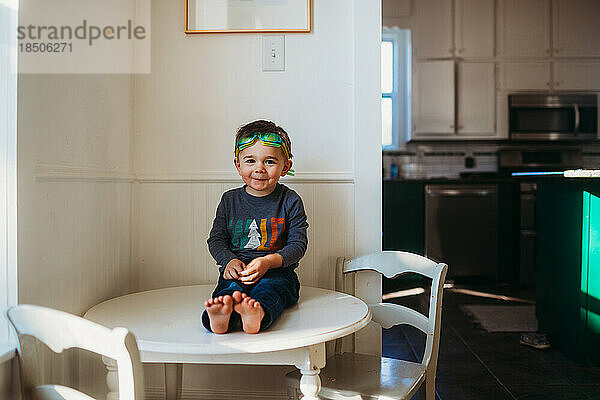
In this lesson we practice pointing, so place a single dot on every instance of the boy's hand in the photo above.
(233, 269)
(258, 267)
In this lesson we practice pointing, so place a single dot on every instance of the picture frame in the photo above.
(248, 16)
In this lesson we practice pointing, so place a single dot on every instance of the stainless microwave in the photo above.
(551, 117)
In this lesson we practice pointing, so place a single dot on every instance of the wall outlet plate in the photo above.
(273, 53)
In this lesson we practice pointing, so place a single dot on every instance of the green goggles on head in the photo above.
(268, 139)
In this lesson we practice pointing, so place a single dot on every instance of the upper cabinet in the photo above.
(577, 76)
(470, 54)
(434, 29)
(575, 28)
(463, 28)
(454, 101)
(476, 98)
(524, 28)
(524, 76)
(434, 98)
(474, 28)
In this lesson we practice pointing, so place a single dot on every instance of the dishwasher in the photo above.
(461, 228)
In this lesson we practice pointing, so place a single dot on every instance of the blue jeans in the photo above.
(278, 289)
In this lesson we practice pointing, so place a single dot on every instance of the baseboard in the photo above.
(158, 393)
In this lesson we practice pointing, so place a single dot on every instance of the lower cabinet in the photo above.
(404, 216)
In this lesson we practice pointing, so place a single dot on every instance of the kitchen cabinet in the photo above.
(403, 216)
(476, 99)
(524, 28)
(568, 266)
(434, 30)
(576, 75)
(468, 33)
(454, 105)
(538, 76)
(434, 98)
(524, 76)
(474, 28)
(576, 28)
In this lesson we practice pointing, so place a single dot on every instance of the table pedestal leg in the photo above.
(112, 379)
(310, 384)
(310, 366)
(173, 377)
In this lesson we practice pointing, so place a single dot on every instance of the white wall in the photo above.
(200, 90)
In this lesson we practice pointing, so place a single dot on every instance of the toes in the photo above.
(227, 300)
(237, 296)
(256, 304)
(244, 296)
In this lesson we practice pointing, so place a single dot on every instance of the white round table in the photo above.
(168, 328)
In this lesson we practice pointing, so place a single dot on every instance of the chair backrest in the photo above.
(392, 264)
(60, 331)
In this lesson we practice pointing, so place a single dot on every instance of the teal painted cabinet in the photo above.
(568, 266)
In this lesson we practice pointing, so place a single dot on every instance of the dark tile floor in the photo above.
(474, 364)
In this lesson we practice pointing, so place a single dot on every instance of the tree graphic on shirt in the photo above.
(254, 236)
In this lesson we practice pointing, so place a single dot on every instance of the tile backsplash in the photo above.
(448, 160)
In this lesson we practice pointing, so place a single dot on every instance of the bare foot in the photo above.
(252, 313)
(219, 310)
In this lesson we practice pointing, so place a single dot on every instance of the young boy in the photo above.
(258, 235)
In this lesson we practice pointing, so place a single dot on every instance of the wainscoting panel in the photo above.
(174, 221)
(74, 252)
(74, 244)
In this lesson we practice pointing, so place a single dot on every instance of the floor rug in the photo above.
(503, 318)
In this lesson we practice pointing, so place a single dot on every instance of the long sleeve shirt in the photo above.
(246, 227)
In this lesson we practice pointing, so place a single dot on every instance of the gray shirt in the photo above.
(247, 227)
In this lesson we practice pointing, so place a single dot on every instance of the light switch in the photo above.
(273, 53)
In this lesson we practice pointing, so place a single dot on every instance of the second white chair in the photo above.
(359, 376)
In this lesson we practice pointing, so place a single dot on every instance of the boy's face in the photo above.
(261, 167)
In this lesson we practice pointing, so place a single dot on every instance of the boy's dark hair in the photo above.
(263, 126)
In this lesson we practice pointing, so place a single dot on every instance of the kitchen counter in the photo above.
(455, 180)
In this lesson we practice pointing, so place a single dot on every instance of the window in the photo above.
(395, 87)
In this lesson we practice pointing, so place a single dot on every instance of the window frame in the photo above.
(401, 93)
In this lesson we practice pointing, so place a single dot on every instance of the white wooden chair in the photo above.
(59, 331)
(358, 376)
